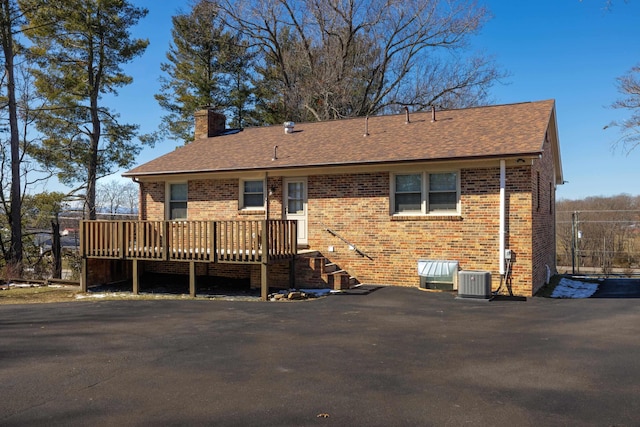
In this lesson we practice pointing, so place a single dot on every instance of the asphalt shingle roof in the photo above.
(472, 133)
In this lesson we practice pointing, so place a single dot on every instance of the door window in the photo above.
(295, 199)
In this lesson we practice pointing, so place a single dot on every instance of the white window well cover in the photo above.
(438, 270)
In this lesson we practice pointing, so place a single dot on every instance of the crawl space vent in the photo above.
(438, 274)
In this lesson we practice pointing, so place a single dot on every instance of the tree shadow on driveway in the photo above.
(618, 288)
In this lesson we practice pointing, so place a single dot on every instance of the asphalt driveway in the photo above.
(618, 288)
(395, 357)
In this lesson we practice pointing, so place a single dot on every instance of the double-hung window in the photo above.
(425, 193)
(178, 201)
(408, 193)
(252, 192)
(443, 192)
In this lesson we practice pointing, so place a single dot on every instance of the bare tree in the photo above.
(629, 87)
(115, 198)
(131, 194)
(325, 59)
(601, 232)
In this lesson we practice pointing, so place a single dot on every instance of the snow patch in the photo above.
(568, 288)
(129, 295)
(102, 295)
(316, 292)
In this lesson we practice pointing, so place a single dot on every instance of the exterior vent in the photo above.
(438, 274)
(288, 127)
(474, 284)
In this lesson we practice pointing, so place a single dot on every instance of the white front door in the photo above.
(295, 205)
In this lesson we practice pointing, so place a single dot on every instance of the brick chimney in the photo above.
(209, 122)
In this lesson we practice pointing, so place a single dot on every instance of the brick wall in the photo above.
(209, 200)
(356, 206)
(544, 218)
(152, 195)
(358, 210)
(518, 236)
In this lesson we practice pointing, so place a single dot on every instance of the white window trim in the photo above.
(424, 211)
(167, 204)
(241, 205)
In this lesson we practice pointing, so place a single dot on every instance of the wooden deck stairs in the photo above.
(330, 273)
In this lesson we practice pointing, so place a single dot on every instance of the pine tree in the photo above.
(79, 47)
(207, 66)
(237, 64)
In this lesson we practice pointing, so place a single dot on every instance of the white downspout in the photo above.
(266, 196)
(502, 215)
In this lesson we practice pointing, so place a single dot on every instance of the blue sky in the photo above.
(567, 50)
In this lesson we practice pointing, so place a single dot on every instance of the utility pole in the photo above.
(575, 243)
(578, 237)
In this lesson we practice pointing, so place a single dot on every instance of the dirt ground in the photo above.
(59, 293)
(152, 287)
(161, 289)
(50, 294)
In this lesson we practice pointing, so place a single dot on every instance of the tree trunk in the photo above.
(16, 197)
(15, 218)
(94, 77)
(56, 249)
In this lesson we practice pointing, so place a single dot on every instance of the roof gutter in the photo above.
(533, 155)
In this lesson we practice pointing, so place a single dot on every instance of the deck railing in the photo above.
(206, 241)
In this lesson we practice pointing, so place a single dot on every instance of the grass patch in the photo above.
(38, 294)
(52, 294)
(547, 290)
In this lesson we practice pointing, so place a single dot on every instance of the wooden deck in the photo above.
(241, 242)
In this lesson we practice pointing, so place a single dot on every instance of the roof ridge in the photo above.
(343, 119)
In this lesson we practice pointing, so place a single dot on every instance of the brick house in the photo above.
(372, 196)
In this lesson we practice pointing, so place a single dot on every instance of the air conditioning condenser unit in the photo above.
(474, 284)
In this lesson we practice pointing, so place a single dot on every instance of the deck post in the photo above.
(292, 273)
(192, 278)
(84, 275)
(136, 278)
(83, 260)
(264, 266)
(264, 281)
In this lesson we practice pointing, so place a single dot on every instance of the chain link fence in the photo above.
(598, 241)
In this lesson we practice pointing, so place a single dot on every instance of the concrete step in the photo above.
(338, 280)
